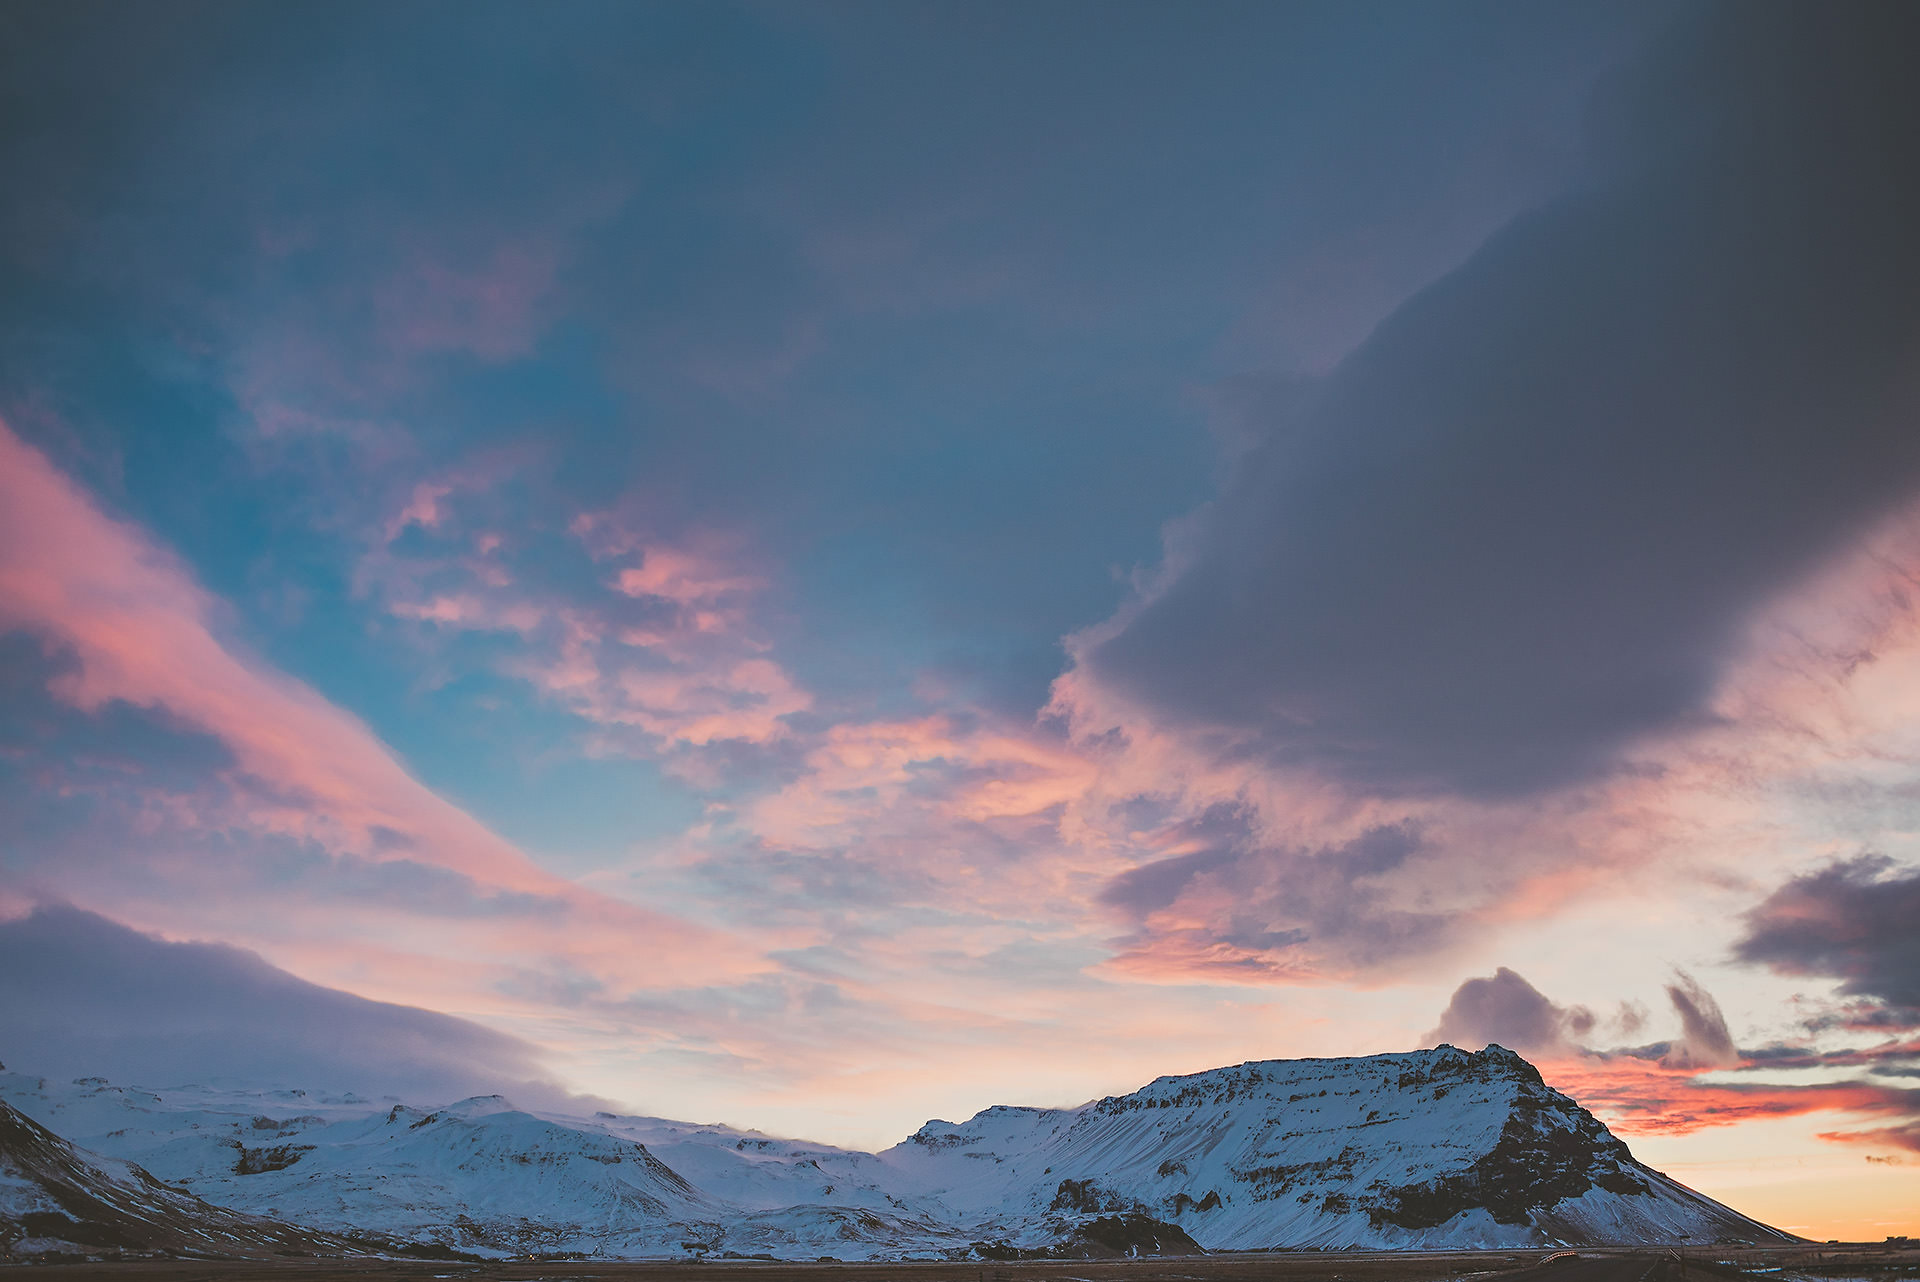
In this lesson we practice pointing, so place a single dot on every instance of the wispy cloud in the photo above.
(133, 628)
(652, 641)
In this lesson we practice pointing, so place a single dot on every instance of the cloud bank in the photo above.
(1854, 921)
(81, 995)
(1520, 528)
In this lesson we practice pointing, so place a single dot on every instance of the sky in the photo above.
(825, 565)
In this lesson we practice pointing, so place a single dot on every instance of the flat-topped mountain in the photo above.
(1428, 1149)
(1432, 1148)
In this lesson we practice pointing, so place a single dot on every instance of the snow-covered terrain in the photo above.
(59, 1201)
(1433, 1148)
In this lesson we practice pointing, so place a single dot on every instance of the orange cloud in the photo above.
(1642, 1097)
(1907, 1137)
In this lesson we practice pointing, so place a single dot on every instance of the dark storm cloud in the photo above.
(1857, 921)
(84, 996)
(1522, 524)
(1505, 1008)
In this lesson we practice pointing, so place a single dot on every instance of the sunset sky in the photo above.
(824, 565)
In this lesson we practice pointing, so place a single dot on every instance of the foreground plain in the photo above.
(1873, 1262)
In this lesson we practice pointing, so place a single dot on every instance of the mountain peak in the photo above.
(1440, 1147)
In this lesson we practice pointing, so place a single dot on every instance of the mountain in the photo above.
(483, 1176)
(1433, 1148)
(1429, 1149)
(59, 1201)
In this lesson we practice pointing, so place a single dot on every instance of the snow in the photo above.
(1333, 1153)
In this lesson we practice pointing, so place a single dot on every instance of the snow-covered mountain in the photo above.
(1432, 1148)
(480, 1175)
(59, 1201)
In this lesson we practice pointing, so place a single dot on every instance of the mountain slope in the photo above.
(1434, 1148)
(1438, 1147)
(57, 1200)
(483, 1176)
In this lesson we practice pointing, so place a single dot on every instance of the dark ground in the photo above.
(1694, 1264)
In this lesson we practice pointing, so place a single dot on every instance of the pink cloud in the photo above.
(467, 610)
(141, 631)
(860, 776)
(668, 647)
(680, 577)
(423, 508)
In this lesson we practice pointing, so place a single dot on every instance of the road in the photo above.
(1597, 1268)
(1661, 1266)
(1690, 1264)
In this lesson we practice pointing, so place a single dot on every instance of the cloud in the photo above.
(1907, 1137)
(1505, 1008)
(1853, 921)
(1641, 1097)
(128, 628)
(1680, 1086)
(81, 995)
(929, 777)
(650, 639)
(1237, 907)
(1521, 528)
(1704, 1039)
(141, 631)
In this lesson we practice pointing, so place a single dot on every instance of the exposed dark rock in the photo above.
(122, 1212)
(1090, 1197)
(1183, 1203)
(1135, 1235)
(1537, 1162)
(257, 1161)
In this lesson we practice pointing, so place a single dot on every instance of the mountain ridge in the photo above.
(1435, 1148)
(58, 1200)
